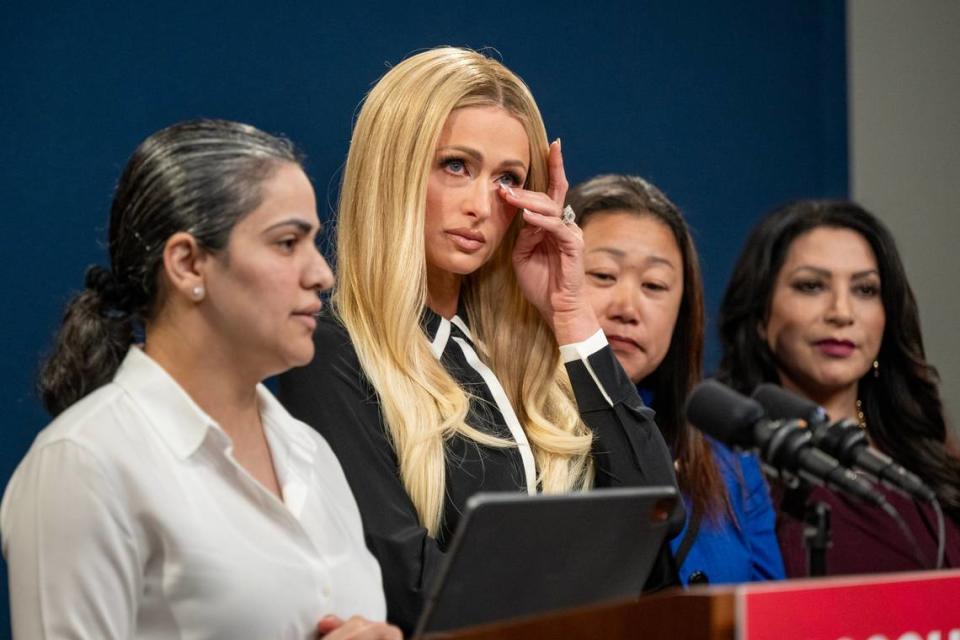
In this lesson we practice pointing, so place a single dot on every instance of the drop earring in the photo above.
(876, 368)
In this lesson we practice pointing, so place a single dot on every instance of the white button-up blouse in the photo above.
(130, 518)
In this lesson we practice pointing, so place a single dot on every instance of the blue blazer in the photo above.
(745, 551)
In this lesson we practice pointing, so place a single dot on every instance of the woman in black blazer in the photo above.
(461, 354)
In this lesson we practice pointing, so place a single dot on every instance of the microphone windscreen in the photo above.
(724, 414)
(780, 404)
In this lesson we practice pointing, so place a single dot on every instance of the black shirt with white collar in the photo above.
(333, 395)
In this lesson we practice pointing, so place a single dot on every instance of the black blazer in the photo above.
(333, 396)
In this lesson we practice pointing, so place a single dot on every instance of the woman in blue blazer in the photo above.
(643, 279)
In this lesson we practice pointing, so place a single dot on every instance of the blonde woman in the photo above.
(462, 354)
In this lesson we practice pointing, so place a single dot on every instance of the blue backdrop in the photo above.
(731, 108)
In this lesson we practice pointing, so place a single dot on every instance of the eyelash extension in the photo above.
(513, 177)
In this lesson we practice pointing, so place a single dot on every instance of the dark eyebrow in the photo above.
(478, 157)
(825, 273)
(619, 253)
(302, 225)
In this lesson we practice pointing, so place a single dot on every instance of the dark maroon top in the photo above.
(865, 538)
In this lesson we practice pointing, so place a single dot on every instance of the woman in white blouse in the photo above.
(173, 496)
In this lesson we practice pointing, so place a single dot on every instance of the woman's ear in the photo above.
(184, 263)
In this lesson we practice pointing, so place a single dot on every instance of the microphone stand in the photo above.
(796, 504)
(816, 537)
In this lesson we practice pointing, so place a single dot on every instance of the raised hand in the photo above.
(548, 256)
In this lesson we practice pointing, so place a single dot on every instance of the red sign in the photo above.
(903, 606)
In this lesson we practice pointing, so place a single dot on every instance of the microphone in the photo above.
(738, 421)
(843, 439)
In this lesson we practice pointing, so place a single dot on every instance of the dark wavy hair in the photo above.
(200, 176)
(902, 406)
(698, 475)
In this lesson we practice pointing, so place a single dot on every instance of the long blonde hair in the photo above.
(382, 284)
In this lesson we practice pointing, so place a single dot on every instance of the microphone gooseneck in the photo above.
(843, 439)
(786, 445)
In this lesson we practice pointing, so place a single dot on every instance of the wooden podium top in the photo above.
(893, 605)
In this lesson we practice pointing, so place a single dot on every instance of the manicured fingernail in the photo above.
(557, 141)
(507, 188)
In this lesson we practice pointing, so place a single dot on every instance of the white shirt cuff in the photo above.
(583, 349)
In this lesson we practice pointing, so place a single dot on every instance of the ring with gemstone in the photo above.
(568, 216)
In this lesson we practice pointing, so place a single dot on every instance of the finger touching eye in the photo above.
(511, 179)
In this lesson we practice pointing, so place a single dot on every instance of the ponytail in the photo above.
(201, 177)
(92, 341)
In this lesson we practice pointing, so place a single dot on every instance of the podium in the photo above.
(898, 606)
